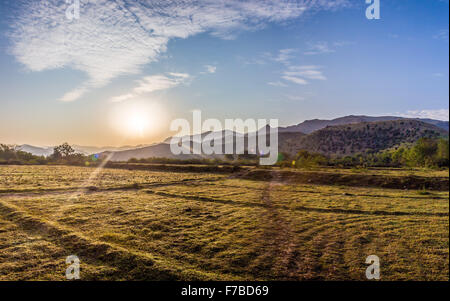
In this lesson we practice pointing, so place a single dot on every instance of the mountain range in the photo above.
(309, 126)
(338, 137)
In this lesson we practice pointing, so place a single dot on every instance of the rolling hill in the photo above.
(362, 137)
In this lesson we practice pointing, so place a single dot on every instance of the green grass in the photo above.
(209, 227)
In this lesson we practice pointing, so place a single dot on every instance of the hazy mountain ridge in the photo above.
(85, 150)
(310, 126)
(36, 150)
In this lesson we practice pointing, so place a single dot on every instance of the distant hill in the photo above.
(351, 139)
(161, 150)
(338, 137)
(310, 126)
(35, 150)
(89, 150)
(85, 150)
(337, 140)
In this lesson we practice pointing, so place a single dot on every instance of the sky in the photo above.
(124, 69)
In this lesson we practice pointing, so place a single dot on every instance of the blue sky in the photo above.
(64, 80)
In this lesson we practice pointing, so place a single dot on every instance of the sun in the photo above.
(136, 119)
(137, 122)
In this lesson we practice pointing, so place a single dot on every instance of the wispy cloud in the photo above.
(300, 74)
(113, 38)
(277, 84)
(295, 79)
(442, 35)
(441, 114)
(210, 69)
(154, 83)
(294, 97)
(323, 47)
(284, 56)
(309, 72)
(318, 48)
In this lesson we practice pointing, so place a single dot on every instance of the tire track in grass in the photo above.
(320, 246)
(297, 208)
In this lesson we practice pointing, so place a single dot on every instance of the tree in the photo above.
(442, 153)
(13, 155)
(63, 150)
(306, 159)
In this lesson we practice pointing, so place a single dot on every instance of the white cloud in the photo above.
(300, 74)
(442, 114)
(210, 69)
(179, 75)
(308, 72)
(154, 83)
(123, 97)
(113, 38)
(284, 56)
(322, 47)
(295, 80)
(74, 94)
(277, 84)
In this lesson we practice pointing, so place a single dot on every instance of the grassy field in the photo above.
(154, 225)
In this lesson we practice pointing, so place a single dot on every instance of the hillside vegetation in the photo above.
(366, 137)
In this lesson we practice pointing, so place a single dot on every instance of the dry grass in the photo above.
(173, 226)
(402, 172)
(30, 178)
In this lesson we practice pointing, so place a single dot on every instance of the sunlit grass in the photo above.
(227, 229)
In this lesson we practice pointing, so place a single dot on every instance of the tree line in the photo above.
(62, 154)
(426, 152)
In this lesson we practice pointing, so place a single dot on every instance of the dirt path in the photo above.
(278, 236)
